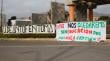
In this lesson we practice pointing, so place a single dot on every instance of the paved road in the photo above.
(52, 51)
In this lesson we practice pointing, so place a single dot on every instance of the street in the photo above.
(54, 51)
(55, 30)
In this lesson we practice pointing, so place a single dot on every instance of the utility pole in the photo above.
(1, 15)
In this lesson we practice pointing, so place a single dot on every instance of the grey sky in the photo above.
(21, 8)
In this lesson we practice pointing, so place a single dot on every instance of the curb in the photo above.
(28, 39)
(34, 39)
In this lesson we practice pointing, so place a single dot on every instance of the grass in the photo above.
(27, 35)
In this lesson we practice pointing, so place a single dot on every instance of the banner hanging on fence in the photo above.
(46, 28)
(81, 31)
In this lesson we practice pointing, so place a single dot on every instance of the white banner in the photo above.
(81, 31)
(46, 28)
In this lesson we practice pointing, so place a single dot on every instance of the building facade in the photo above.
(57, 12)
(23, 22)
(39, 18)
(54, 15)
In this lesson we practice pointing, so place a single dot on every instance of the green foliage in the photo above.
(104, 18)
(27, 35)
(108, 22)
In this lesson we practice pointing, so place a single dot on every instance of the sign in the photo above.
(46, 28)
(81, 31)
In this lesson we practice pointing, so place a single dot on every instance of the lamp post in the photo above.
(1, 15)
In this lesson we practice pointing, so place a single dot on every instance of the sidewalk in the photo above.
(28, 39)
(33, 39)
(108, 40)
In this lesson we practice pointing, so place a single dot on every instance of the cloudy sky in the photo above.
(21, 8)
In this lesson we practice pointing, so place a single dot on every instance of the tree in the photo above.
(9, 22)
(104, 18)
(13, 18)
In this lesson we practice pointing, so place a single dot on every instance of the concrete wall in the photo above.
(39, 18)
(58, 12)
(23, 23)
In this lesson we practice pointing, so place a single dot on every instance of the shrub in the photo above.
(27, 35)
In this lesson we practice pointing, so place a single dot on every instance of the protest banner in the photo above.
(81, 31)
